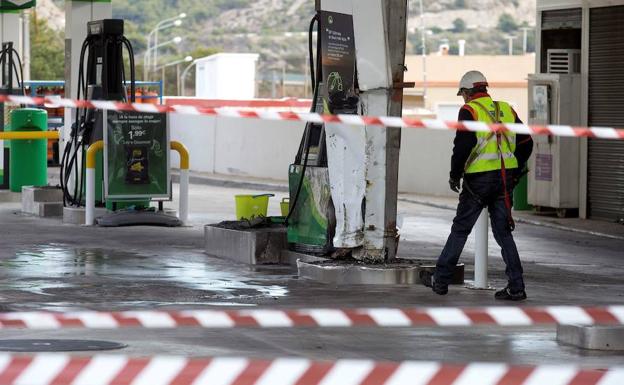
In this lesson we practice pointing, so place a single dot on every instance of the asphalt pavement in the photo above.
(47, 265)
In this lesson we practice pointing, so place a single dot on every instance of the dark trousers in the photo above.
(479, 191)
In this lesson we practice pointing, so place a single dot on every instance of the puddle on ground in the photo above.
(56, 267)
(555, 264)
(62, 307)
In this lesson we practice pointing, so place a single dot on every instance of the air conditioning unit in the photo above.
(564, 61)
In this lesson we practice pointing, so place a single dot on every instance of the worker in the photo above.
(490, 164)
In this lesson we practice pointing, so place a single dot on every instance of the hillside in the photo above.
(482, 14)
(259, 25)
(277, 28)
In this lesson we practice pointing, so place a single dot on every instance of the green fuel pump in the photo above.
(311, 220)
(103, 78)
(311, 210)
(134, 168)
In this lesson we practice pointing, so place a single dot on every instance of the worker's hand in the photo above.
(454, 184)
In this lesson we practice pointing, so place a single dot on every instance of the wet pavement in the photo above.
(45, 265)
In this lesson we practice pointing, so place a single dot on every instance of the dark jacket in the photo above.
(465, 141)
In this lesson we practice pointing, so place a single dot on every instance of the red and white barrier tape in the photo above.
(384, 121)
(284, 103)
(61, 369)
(320, 318)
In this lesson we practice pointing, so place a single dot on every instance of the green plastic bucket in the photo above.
(285, 207)
(252, 206)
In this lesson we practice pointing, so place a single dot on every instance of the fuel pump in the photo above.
(12, 74)
(103, 78)
(312, 221)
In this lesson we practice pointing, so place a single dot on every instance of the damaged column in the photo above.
(363, 56)
(380, 31)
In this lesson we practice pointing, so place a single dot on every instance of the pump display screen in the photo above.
(136, 155)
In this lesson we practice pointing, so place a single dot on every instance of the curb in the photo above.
(525, 221)
(217, 182)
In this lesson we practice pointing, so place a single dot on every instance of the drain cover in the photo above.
(57, 345)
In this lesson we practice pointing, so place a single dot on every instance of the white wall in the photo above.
(425, 162)
(197, 133)
(242, 147)
(229, 76)
(265, 149)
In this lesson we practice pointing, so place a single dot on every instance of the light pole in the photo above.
(511, 39)
(525, 30)
(423, 33)
(175, 40)
(184, 75)
(164, 24)
(175, 23)
(162, 68)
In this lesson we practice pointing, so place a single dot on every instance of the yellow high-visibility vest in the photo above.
(486, 155)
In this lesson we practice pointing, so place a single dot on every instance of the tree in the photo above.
(47, 57)
(460, 4)
(459, 25)
(506, 23)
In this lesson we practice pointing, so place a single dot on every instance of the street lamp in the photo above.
(175, 40)
(423, 34)
(182, 79)
(162, 68)
(511, 39)
(525, 30)
(164, 24)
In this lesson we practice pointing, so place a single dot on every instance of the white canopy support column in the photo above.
(25, 43)
(11, 31)
(380, 32)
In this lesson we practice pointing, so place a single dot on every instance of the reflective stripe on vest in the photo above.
(485, 155)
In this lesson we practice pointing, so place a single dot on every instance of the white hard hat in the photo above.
(471, 80)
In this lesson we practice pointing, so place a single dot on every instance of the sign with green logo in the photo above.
(136, 156)
(13, 5)
(338, 53)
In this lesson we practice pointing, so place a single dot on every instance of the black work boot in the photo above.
(507, 295)
(427, 279)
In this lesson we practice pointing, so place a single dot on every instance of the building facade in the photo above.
(584, 39)
(507, 76)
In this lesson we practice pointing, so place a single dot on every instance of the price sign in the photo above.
(136, 156)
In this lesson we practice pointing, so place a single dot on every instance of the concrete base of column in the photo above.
(76, 215)
(401, 272)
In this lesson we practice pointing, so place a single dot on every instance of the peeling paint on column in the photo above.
(347, 174)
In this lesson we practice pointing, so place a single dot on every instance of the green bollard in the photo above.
(28, 165)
